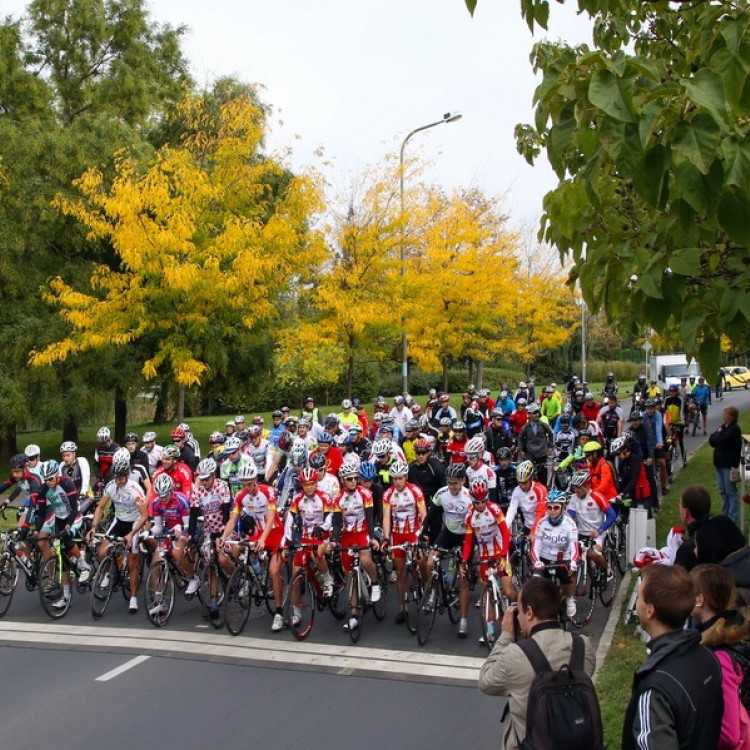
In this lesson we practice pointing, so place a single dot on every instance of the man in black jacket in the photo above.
(695, 509)
(676, 699)
(429, 475)
(727, 445)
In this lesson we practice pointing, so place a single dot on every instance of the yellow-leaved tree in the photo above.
(207, 237)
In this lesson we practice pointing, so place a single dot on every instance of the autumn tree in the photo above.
(204, 247)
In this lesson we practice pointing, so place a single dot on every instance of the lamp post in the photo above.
(447, 117)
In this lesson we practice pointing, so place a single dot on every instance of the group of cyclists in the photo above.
(478, 477)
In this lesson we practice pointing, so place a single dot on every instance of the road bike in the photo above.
(247, 585)
(593, 583)
(13, 560)
(113, 573)
(493, 603)
(617, 535)
(56, 573)
(552, 571)
(678, 442)
(440, 592)
(412, 582)
(520, 561)
(359, 592)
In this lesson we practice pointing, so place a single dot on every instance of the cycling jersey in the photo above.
(79, 472)
(354, 508)
(565, 441)
(404, 505)
(506, 483)
(489, 530)
(532, 504)
(482, 471)
(62, 499)
(610, 419)
(312, 510)
(103, 458)
(211, 501)
(603, 478)
(518, 419)
(257, 505)
(455, 508)
(126, 500)
(261, 455)
(593, 514)
(154, 457)
(590, 410)
(229, 469)
(702, 394)
(170, 512)
(455, 449)
(555, 543)
(329, 484)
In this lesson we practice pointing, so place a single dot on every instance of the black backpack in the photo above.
(563, 711)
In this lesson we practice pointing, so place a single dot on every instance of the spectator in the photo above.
(508, 672)
(677, 696)
(695, 507)
(719, 540)
(727, 445)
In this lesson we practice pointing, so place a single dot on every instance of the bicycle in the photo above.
(552, 571)
(246, 585)
(440, 593)
(520, 561)
(617, 536)
(694, 417)
(678, 441)
(412, 579)
(113, 573)
(494, 603)
(358, 592)
(53, 572)
(593, 583)
(12, 562)
(213, 582)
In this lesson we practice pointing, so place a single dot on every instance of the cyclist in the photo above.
(654, 423)
(327, 482)
(400, 413)
(610, 386)
(404, 511)
(310, 411)
(138, 462)
(75, 468)
(565, 438)
(556, 545)
(640, 388)
(518, 418)
(498, 434)
(603, 478)
(192, 441)
(369, 480)
(702, 394)
(152, 450)
(130, 516)
(610, 420)
(528, 497)
(212, 500)
(330, 453)
(105, 450)
(505, 471)
(592, 513)
(634, 482)
(234, 460)
(187, 454)
(536, 441)
(34, 455)
(179, 472)
(653, 390)
(411, 435)
(360, 445)
(505, 403)
(62, 519)
(551, 407)
(455, 449)
(429, 475)
(476, 467)
(451, 505)
(591, 407)
(353, 525)
(262, 454)
(444, 410)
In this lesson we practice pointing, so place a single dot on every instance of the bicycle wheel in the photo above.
(102, 586)
(412, 595)
(237, 601)
(491, 614)
(8, 578)
(338, 603)
(355, 603)
(51, 592)
(427, 609)
(380, 607)
(585, 598)
(211, 595)
(159, 594)
(683, 452)
(303, 605)
(520, 568)
(267, 586)
(609, 580)
(619, 545)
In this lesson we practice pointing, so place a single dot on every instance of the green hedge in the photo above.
(626, 373)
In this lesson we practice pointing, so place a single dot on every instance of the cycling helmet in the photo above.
(446, 421)
(355, 429)
(171, 451)
(522, 384)
(277, 414)
(325, 437)
(184, 426)
(674, 387)
(521, 401)
(103, 434)
(206, 468)
(230, 423)
(32, 450)
(386, 419)
(331, 422)
(19, 461)
(346, 404)
(49, 469)
(444, 399)
(398, 469)
(255, 431)
(68, 447)
(304, 422)
(504, 453)
(610, 375)
(588, 396)
(349, 469)
(298, 453)
(533, 409)
(178, 434)
(649, 403)
(149, 437)
(496, 413)
(356, 403)
(556, 496)
(231, 444)
(567, 409)
(131, 437)
(455, 471)
(635, 414)
(247, 473)
(592, 447)
(459, 425)
(565, 420)
(619, 444)
(284, 442)
(121, 454)
(258, 420)
(308, 475)
(343, 439)
(120, 467)
(475, 446)
(239, 419)
(367, 470)
(291, 421)
(412, 425)
(215, 438)
(381, 447)
(580, 478)
(317, 461)
(416, 409)
(503, 394)
(422, 444)
(524, 471)
(479, 489)
(163, 485)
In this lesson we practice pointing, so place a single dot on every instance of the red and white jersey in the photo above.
(257, 505)
(352, 507)
(404, 507)
(455, 449)
(533, 504)
(482, 471)
(590, 511)
(488, 529)
(312, 510)
(181, 476)
(454, 508)
(211, 501)
(329, 484)
(555, 543)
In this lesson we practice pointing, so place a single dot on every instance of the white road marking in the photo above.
(122, 668)
(421, 666)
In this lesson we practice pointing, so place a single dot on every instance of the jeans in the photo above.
(730, 499)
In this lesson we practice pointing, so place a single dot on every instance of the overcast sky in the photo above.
(353, 77)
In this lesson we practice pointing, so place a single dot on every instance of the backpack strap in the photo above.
(534, 654)
(578, 654)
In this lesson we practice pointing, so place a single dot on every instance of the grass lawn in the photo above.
(628, 650)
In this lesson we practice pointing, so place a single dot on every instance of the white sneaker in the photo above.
(393, 576)
(61, 603)
(133, 605)
(375, 593)
(84, 575)
(104, 581)
(193, 585)
(353, 624)
(478, 605)
(158, 609)
(463, 628)
(296, 616)
(278, 623)
(570, 606)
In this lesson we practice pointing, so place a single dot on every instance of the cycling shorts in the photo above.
(54, 525)
(448, 540)
(503, 568)
(398, 538)
(301, 556)
(352, 539)
(273, 540)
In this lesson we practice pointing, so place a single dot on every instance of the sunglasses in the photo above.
(554, 506)
(350, 479)
(478, 502)
(421, 453)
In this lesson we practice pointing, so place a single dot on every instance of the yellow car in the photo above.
(736, 377)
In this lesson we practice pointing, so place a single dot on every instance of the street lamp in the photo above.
(447, 117)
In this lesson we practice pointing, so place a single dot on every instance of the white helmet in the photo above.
(206, 468)
(298, 453)
(398, 469)
(149, 437)
(382, 448)
(231, 444)
(68, 447)
(103, 434)
(32, 450)
(524, 471)
(121, 454)
(163, 485)
(475, 446)
(247, 472)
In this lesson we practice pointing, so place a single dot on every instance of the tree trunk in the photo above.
(349, 375)
(70, 428)
(121, 415)
(180, 416)
(8, 442)
(470, 373)
(70, 419)
(445, 374)
(480, 373)
(162, 402)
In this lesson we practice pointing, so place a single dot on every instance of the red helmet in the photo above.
(422, 444)
(479, 489)
(178, 434)
(416, 409)
(308, 475)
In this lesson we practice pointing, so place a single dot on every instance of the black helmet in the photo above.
(455, 471)
(131, 437)
(504, 453)
(19, 461)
